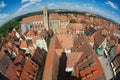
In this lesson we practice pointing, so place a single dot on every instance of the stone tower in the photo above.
(45, 13)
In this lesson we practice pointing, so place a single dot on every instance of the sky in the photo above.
(13, 8)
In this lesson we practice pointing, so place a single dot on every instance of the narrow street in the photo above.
(106, 67)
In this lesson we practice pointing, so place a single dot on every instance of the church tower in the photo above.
(45, 13)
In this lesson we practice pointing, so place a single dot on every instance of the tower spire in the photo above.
(45, 13)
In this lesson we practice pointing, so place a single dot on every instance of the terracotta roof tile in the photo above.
(98, 38)
(73, 58)
(62, 31)
(64, 18)
(4, 62)
(113, 40)
(30, 70)
(11, 73)
(18, 59)
(65, 40)
(72, 16)
(98, 71)
(51, 62)
(54, 16)
(76, 26)
(34, 40)
(59, 52)
(30, 33)
(32, 19)
(1, 54)
(23, 44)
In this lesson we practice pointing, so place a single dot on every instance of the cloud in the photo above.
(51, 4)
(2, 4)
(77, 6)
(2, 16)
(38, 4)
(24, 1)
(111, 4)
(87, 8)
(66, 3)
(25, 7)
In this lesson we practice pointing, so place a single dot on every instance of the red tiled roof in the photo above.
(18, 71)
(73, 58)
(64, 18)
(18, 59)
(23, 44)
(113, 40)
(98, 71)
(72, 16)
(65, 40)
(30, 33)
(62, 31)
(51, 62)
(54, 16)
(11, 73)
(34, 40)
(29, 71)
(1, 54)
(32, 19)
(98, 38)
(76, 26)
(59, 52)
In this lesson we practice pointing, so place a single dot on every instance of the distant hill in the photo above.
(15, 22)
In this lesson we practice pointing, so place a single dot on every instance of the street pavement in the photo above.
(106, 67)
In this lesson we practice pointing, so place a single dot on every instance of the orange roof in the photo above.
(113, 40)
(76, 26)
(65, 40)
(58, 44)
(14, 71)
(72, 16)
(98, 38)
(2, 54)
(29, 71)
(62, 31)
(30, 33)
(54, 16)
(64, 18)
(51, 63)
(104, 32)
(59, 52)
(97, 70)
(73, 58)
(11, 73)
(91, 39)
(18, 59)
(32, 19)
(34, 40)
(23, 44)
